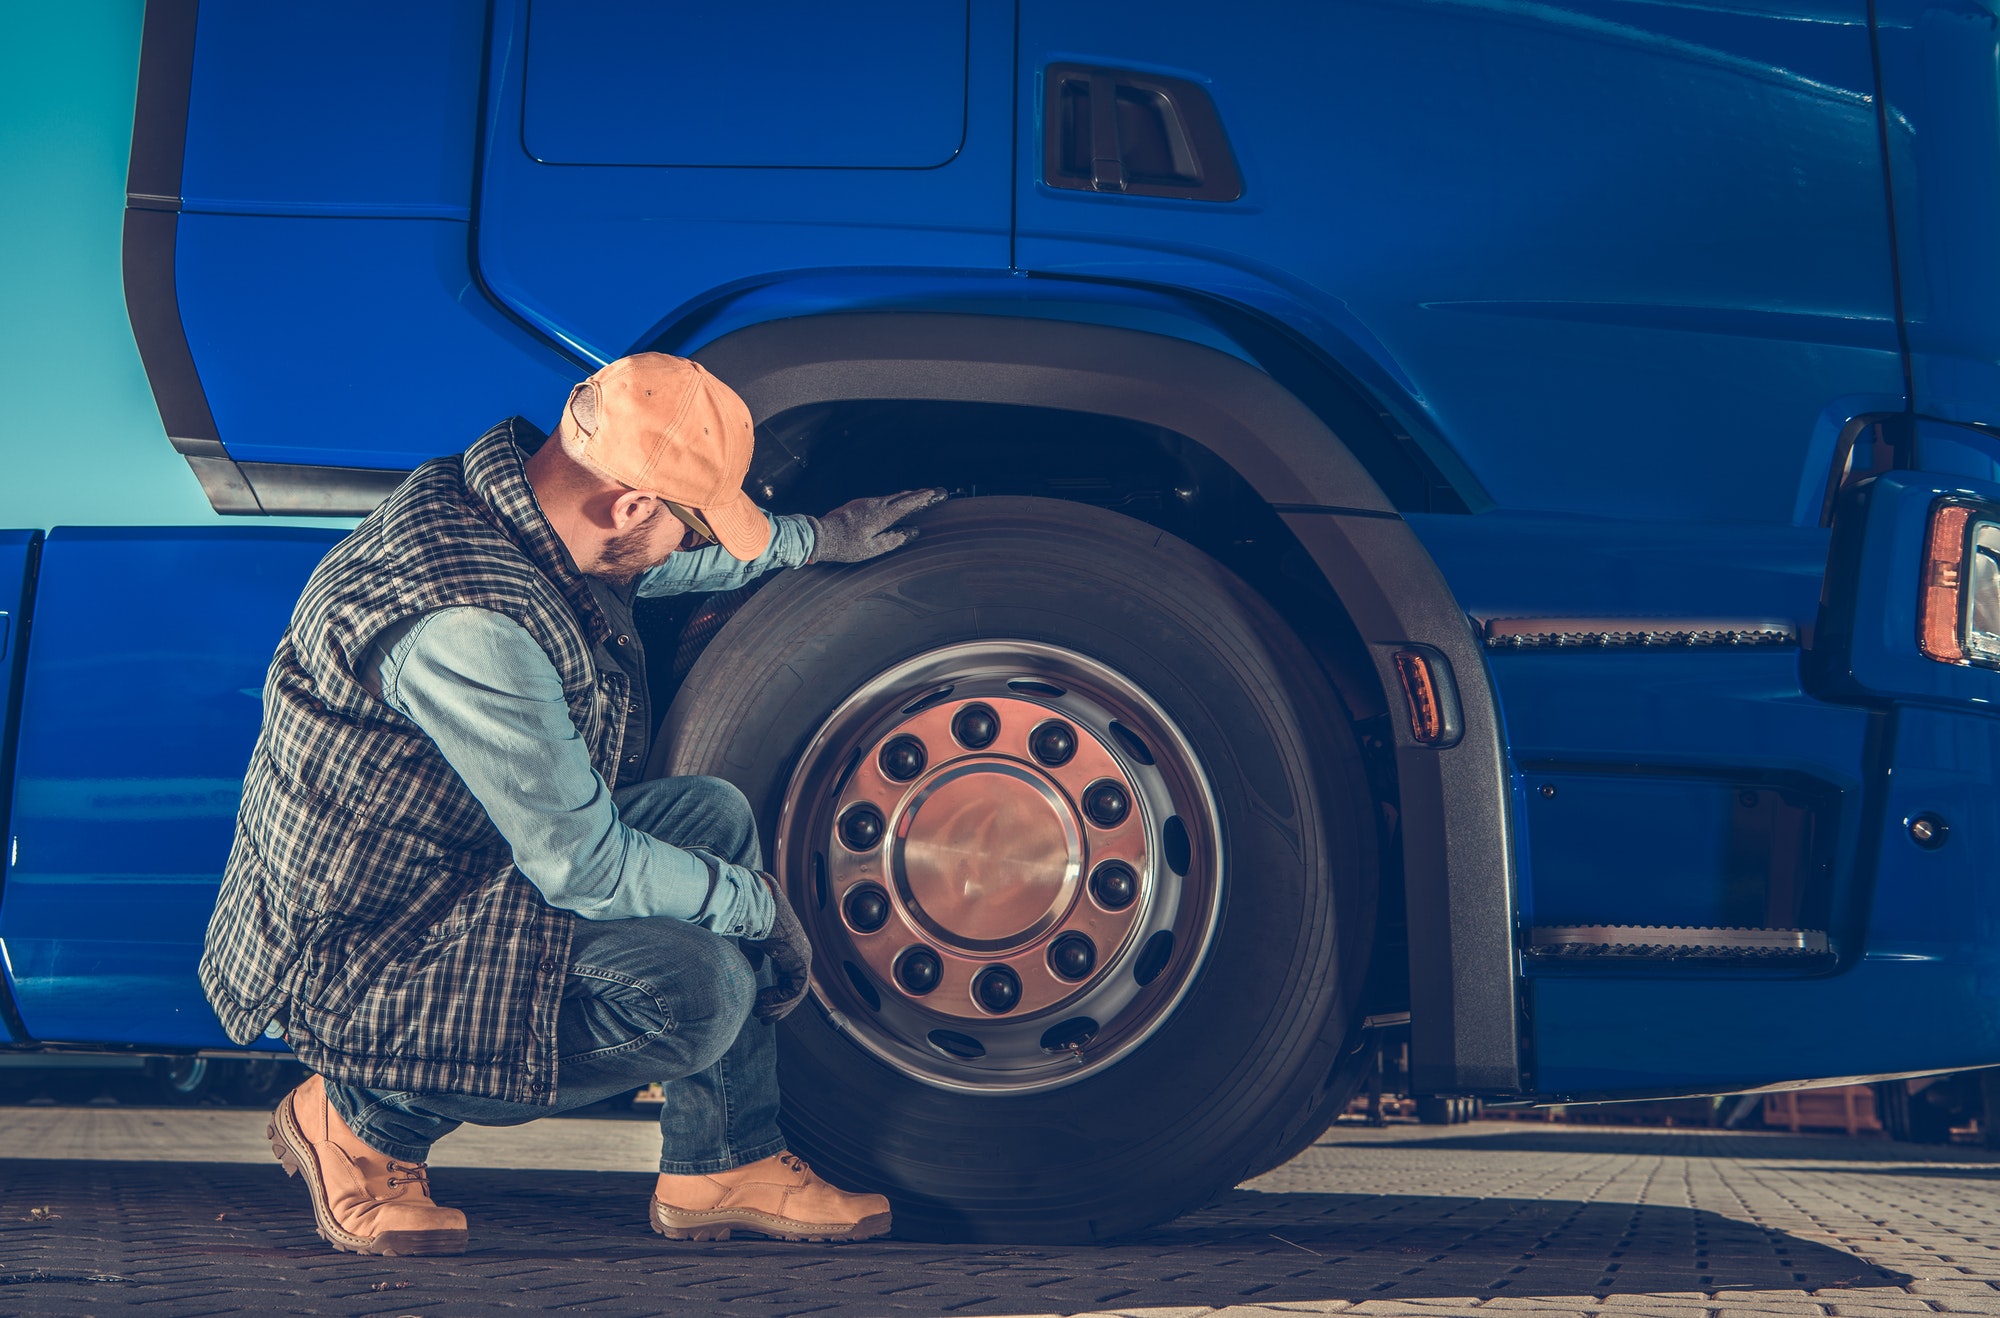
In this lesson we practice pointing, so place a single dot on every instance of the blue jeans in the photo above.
(645, 1000)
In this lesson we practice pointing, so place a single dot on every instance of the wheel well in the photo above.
(814, 457)
(1168, 402)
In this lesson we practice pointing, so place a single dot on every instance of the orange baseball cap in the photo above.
(666, 426)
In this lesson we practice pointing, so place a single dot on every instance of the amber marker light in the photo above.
(1430, 695)
(1940, 605)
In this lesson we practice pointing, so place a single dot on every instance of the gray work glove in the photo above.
(790, 956)
(862, 529)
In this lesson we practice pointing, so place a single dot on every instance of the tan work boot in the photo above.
(776, 1196)
(365, 1202)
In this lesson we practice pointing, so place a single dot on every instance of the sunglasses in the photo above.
(693, 521)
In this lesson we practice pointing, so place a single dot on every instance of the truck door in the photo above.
(1589, 256)
(1563, 240)
(143, 696)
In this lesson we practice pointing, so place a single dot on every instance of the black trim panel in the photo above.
(159, 123)
(1458, 865)
(222, 481)
(152, 225)
(155, 311)
(291, 489)
(306, 491)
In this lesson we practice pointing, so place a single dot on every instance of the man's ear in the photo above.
(631, 508)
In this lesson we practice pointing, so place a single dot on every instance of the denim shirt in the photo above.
(486, 693)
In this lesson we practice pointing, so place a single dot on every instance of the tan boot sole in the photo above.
(294, 1153)
(718, 1223)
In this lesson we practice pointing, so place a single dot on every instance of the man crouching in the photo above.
(449, 893)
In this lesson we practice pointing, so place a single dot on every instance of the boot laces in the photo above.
(420, 1174)
(795, 1163)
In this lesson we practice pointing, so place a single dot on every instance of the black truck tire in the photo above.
(1224, 1077)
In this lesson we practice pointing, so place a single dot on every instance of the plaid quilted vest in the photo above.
(369, 906)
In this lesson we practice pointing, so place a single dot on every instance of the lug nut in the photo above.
(998, 989)
(1114, 885)
(867, 908)
(1106, 804)
(975, 726)
(1053, 743)
(861, 828)
(903, 759)
(1072, 956)
(919, 970)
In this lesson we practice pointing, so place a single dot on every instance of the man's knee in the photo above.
(727, 825)
(695, 811)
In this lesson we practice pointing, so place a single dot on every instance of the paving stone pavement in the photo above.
(174, 1214)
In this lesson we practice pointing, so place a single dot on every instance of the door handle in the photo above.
(1142, 134)
(1107, 167)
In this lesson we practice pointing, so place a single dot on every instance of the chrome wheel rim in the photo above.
(1008, 858)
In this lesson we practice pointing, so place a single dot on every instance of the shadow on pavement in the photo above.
(207, 1236)
(1691, 1143)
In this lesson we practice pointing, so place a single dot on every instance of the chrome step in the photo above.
(1661, 942)
(1638, 633)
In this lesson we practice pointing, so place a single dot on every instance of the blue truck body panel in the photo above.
(896, 66)
(1925, 994)
(423, 359)
(682, 233)
(133, 742)
(1628, 276)
(374, 120)
(18, 552)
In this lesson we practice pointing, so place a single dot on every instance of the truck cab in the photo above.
(1469, 520)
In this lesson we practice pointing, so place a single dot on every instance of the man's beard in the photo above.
(626, 555)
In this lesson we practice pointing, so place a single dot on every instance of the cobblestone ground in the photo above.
(168, 1213)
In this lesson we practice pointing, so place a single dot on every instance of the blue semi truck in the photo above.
(1476, 516)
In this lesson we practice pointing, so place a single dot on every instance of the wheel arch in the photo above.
(1454, 818)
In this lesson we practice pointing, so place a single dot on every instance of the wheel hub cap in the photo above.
(1007, 858)
(986, 854)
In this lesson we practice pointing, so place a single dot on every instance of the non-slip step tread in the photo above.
(1650, 941)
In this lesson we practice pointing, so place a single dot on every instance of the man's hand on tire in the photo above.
(790, 956)
(865, 528)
